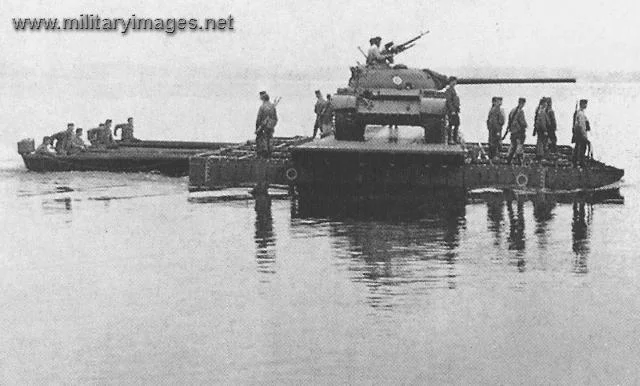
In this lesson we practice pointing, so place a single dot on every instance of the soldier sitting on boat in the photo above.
(46, 147)
(92, 134)
(105, 135)
(76, 145)
(63, 139)
(127, 131)
(101, 136)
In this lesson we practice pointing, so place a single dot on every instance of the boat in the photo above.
(167, 157)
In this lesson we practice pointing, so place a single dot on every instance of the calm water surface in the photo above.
(108, 278)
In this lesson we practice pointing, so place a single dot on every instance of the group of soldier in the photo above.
(70, 142)
(544, 128)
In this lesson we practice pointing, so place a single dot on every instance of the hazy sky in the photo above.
(586, 35)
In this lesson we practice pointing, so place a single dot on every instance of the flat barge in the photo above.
(387, 164)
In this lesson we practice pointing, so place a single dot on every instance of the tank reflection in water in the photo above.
(413, 245)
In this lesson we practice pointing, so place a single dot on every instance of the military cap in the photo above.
(69, 124)
(318, 92)
(452, 78)
(263, 93)
(375, 39)
(522, 100)
(583, 101)
(79, 130)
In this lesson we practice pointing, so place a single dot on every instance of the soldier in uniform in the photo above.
(326, 118)
(77, 144)
(46, 147)
(517, 125)
(106, 137)
(374, 56)
(580, 137)
(320, 104)
(495, 121)
(551, 127)
(453, 110)
(126, 134)
(265, 125)
(63, 139)
(540, 128)
(93, 135)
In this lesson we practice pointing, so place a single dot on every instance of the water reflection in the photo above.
(264, 235)
(413, 245)
(543, 205)
(391, 245)
(582, 215)
(516, 237)
(57, 205)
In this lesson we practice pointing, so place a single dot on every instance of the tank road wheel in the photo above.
(347, 126)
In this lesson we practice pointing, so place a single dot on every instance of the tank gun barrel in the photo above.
(514, 80)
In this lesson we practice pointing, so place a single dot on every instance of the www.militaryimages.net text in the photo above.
(91, 22)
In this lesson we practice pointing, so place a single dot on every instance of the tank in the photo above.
(388, 94)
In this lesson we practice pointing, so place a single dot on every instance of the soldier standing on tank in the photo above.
(453, 110)
(580, 137)
(517, 126)
(320, 105)
(551, 127)
(495, 121)
(374, 56)
(540, 128)
(326, 118)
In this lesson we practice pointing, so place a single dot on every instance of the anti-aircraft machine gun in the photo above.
(386, 94)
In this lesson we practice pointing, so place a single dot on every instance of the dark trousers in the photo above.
(552, 141)
(454, 125)
(495, 142)
(516, 148)
(541, 145)
(578, 153)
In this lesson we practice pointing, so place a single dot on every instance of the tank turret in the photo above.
(386, 94)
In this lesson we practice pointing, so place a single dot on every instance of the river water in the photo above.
(126, 278)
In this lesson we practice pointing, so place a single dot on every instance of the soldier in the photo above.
(326, 118)
(495, 121)
(93, 135)
(105, 136)
(265, 125)
(77, 144)
(46, 147)
(320, 105)
(551, 127)
(517, 126)
(453, 110)
(126, 135)
(63, 139)
(580, 138)
(540, 128)
(374, 57)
